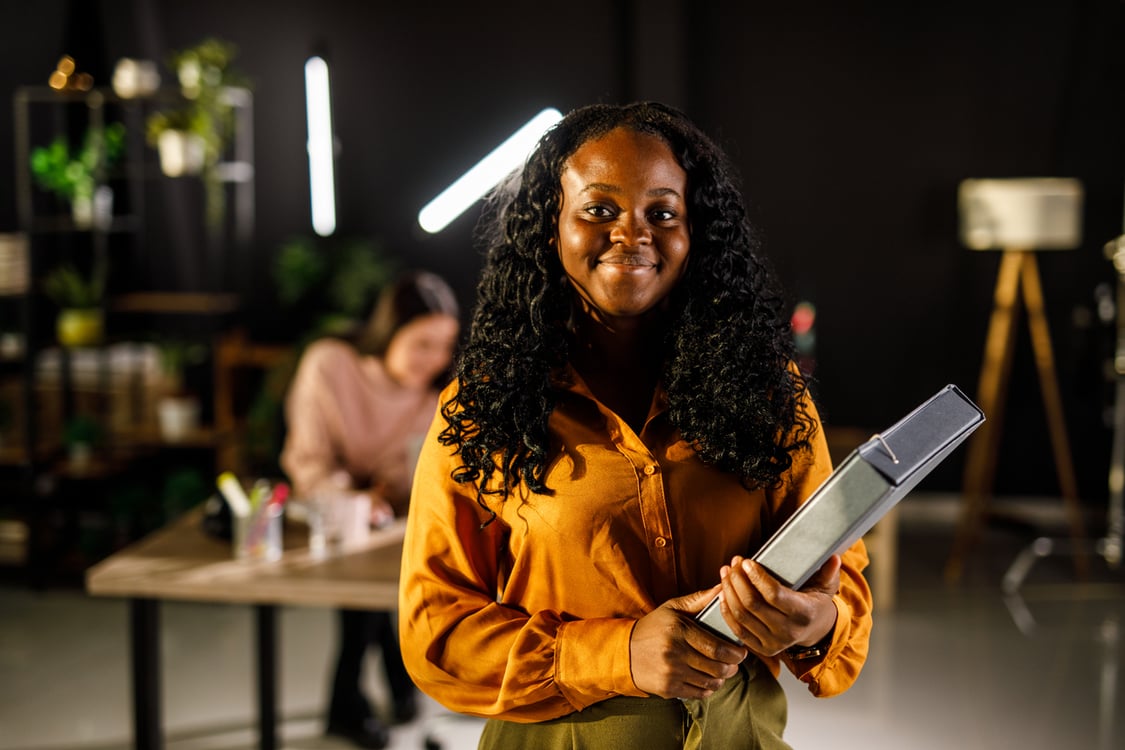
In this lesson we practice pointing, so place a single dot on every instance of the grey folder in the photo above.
(861, 490)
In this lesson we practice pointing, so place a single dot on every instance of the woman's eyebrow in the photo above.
(605, 187)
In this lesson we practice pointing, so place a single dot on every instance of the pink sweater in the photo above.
(345, 413)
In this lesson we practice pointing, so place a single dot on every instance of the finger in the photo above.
(381, 514)
(700, 687)
(714, 655)
(762, 607)
(758, 592)
(827, 579)
(694, 603)
(741, 607)
(770, 589)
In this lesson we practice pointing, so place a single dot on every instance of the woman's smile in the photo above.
(626, 262)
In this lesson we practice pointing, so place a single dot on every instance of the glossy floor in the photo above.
(950, 666)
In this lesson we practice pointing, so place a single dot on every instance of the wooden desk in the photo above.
(181, 562)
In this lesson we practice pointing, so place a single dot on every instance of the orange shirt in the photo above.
(530, 618)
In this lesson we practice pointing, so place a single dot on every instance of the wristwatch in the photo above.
(815, 651)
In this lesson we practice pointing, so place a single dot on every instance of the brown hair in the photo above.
(415, 294)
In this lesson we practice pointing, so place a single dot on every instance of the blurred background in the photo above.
(852, 126)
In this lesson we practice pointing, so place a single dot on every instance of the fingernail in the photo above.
(723, 572)
(746, 566)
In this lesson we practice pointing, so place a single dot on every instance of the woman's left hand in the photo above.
(768, 616)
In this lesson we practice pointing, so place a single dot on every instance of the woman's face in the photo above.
(421, 350)
(624, 235)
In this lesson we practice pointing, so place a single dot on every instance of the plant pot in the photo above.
(80, 456)
(82, 211)
(178, 417)
(132, 78)
(77, 327)
(181, 153)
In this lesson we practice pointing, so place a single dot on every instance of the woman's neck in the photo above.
(620, 362)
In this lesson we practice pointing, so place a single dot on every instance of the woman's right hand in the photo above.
(381, 511)
(673, 656)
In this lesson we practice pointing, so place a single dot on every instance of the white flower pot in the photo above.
(132, 78)
(178, 417)
(181, 153)
(82, 211)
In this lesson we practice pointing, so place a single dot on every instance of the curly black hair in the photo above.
(733, 391)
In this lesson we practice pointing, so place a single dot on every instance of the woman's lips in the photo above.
(627, 259)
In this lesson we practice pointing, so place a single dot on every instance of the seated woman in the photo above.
(356, 414)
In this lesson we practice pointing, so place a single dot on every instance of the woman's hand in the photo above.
(381, 511)
(768, 616)
(672, 656)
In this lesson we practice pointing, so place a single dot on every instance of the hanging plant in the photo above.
(193, 137)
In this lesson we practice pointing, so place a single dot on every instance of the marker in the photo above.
(234, 494)
(280, 494)
(258, 493)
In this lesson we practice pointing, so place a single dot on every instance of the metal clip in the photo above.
(886, 447)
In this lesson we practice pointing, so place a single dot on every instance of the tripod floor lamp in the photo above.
(1019, 218)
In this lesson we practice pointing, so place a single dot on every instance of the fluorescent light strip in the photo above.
(322, 179)
(468, 189)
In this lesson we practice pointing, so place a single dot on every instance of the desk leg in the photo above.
(267, 675)
(145, 627)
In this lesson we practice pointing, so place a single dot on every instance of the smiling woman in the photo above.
(623, 227)
(627, 422)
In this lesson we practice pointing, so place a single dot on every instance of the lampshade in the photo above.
(1035, 213)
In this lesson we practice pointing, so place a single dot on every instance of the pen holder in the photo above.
(258, 535)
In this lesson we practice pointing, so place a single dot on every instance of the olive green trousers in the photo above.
(747, 713)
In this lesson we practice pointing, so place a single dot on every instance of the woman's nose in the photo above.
(630, 230)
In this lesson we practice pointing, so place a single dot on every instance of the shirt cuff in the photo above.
(807, 670)
(592, 661)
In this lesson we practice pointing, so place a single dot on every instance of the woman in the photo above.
(356, 415)
(625, 425)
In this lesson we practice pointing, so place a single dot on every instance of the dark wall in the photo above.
(852, 125)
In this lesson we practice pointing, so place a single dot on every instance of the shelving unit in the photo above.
(129, 240)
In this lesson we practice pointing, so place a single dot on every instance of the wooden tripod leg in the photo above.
(980, 465)
(1052, 402)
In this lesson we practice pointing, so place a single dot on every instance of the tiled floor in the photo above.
(949, 667)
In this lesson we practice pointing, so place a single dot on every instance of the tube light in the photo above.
(322, 179)
(467, 189)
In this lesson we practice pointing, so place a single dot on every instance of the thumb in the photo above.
(827, 579)
(694, 603)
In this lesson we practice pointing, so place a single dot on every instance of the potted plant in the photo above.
(177, 138)
(81, 319)
(192, 138)
(75, 177)
(80, 435)
(177, 410)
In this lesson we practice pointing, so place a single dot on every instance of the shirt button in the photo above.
(661, 542)
(650, 470)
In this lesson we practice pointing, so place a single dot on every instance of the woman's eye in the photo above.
(663, 214)
(601, 212)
